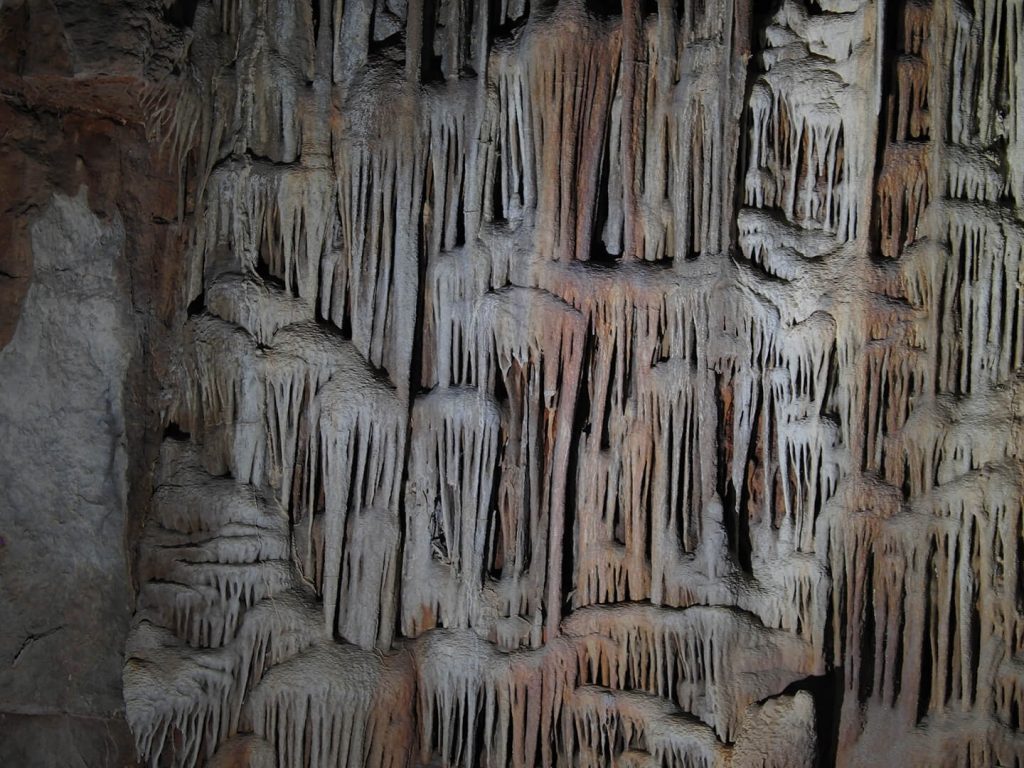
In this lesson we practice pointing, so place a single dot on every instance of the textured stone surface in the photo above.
(572, 382)
(84, 234)
(63, 564)
(59, 741)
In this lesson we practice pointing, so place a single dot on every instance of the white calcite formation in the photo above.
(580, 383)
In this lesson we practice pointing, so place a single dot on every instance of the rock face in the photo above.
(64, 482)
(507, 383)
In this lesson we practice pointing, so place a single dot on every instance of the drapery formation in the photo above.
(576, 383)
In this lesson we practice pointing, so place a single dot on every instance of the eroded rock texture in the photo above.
(85, 244)
(573, 383)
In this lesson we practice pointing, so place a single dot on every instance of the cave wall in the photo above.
(85, 245)
(511, 383)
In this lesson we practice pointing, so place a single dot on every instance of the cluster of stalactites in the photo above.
(467, 299)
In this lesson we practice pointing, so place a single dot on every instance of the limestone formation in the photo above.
(555, 383)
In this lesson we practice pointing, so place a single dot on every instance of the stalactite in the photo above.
(503, 430)
(531, 344)
(452, 540)
(368, 278)
(902, 197)
(642, 725)
(254, 410)
(680, 655)
(357, 457)
(981, 341)
(230, 596)
(336, 705)
(468, 690)
(249, 750)
(175, 696)
(269, 218)
(255, 305)
(554, 103)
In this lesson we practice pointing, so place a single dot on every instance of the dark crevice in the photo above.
(827, 692)
(866, 674)
(430, 63)
(974, 634)
(744, 544)
(829, 406)
(315, 8)
(274, 280)
(174, 432)
(197, 306)
(618, 521)
(498, 213)
(605, 443)
(505, 28)
(460, 225)
(388, 45)
(600, 252)
(605, 8)
(495, 558)
(181, 13)
(416, 382)
(580, 427)
(887, 124)
(897, 671)
(924, 693)
(479, 737)
(723, 445)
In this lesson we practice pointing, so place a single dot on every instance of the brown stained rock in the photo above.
(32, 40)
(80, 329)
(512, 384)
(16, 268)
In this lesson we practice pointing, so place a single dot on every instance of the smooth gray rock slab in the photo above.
(65, 593)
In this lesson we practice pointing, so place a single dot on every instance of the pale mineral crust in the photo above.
(512, 383)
